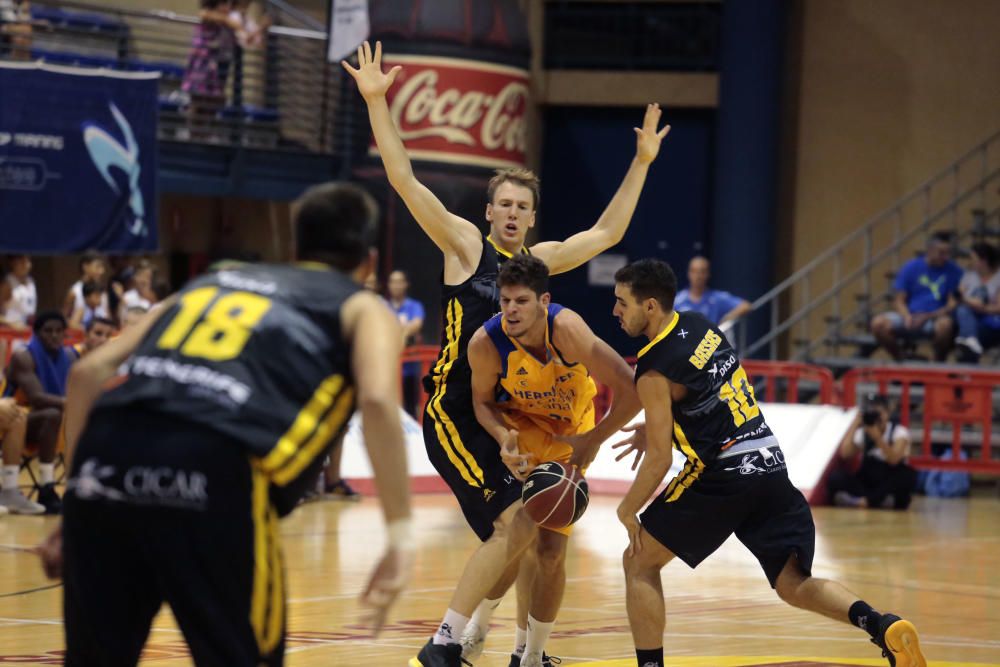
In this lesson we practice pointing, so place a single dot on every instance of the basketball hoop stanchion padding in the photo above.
(959, 398)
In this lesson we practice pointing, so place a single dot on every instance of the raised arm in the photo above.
(449, 232)
(561, 256)
(654, 394)
(376, 345)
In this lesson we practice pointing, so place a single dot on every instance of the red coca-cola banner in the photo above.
(459, 111)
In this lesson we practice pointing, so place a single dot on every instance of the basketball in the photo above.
(555, 495)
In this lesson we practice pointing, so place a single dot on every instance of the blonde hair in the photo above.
(518, 176)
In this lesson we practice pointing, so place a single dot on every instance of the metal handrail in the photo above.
(283, 96)
(979, 156)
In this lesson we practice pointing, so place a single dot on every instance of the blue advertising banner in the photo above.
(77, 159)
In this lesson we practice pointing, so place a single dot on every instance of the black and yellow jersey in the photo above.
(465, 308)
(254, 352)
(720, 408)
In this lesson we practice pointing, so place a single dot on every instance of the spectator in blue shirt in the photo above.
(925, 298)
(718, 306)
(411, 316)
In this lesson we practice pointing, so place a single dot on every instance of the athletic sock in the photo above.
(520, 641)
(864, 617)
(483, 614)
(538, 634)
(8, 480)
(650, 657)
(46, 473)
(451, 628)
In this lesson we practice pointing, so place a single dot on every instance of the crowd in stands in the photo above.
(935, 300)
(37, 358)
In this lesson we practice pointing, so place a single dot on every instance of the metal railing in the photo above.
(280, 94)
(839, 290)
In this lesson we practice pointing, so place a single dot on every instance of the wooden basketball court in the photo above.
(938, 564)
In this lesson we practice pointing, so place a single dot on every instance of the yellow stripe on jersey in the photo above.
(660, 336)
(444, 427)
(334, 420)
(305, 423)
(508, 255)
(261, 562)
(276, 609)
(692, 469)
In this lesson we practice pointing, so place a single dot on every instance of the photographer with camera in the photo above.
(883, 480)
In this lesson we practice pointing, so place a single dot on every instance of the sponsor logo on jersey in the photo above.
(706, 348)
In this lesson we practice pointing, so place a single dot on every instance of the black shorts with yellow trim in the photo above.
(468, 460)
(751, 498)
(159, 510)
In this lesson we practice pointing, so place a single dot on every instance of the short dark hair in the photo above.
(526, 271)
(336, 223)
(650, 279)
(98, 320)
(90, 287)
(90, 256)
(988, 253)
(942, 236)
(47, 316)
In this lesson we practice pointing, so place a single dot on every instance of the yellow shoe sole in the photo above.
(901, 638)
(415, 663)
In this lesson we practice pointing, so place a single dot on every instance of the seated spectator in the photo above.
(883, 480)
(925, 298)
(99, 331)
(132, 316)
(718, 306)
(20, 297)
(978, 315)
(94, 300)
(15, 29)
(92, 270)
(141, 294)
(13, 428)
(411, 316)
(37, 379)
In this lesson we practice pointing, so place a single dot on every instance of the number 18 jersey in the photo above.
(254, 352)
(720, 408)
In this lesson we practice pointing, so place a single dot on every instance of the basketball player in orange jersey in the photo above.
(465, 456)
(532, 392)
(697, 396)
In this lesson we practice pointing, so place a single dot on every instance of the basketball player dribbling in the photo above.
(465, 456)
(697, 396)
(532, 391)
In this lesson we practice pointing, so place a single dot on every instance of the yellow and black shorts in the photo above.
(159, 510)
(468, 459)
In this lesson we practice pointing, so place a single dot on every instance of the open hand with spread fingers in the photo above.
(372, 81)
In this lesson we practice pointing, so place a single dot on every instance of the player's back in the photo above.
(253, 352)
(719, 408)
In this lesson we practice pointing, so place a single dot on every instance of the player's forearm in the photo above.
(82, 389)
(624, 407)
(387, 453)
(651, 472)
(394, 158)
(491, 419)
(618, 214)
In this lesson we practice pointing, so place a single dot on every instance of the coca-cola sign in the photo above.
(459, 111)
